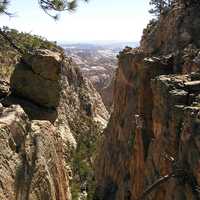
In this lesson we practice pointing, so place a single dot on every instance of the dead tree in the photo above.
(180, 174)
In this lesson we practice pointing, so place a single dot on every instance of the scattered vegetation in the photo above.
(83, 183)
(87, 132)
(25, 42)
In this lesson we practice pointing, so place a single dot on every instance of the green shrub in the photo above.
(83, 158)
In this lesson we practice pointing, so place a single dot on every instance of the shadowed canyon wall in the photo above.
(150, 148)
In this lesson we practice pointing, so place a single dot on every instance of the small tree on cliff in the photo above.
(160, 6)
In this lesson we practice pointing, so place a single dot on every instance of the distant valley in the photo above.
(98, 62)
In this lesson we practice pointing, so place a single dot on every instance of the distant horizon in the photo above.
(98, 42)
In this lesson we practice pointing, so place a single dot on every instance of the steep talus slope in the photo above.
(46, 106)
(150, 148)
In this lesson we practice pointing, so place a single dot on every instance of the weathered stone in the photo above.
(44, 150)
(122, 147)
(193, 86)
(168, 108)
(38, 81)
(47, 177)
(45, 63)
(31, 161)
(175, 31)
(4, 89)
(174, 129)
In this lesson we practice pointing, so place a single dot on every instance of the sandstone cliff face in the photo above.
(150, 148)
(43, 113)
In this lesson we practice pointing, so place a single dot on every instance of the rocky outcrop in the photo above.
(175, 30)
(154, 119)
(174, 144)
(57, 91)
(46, 107)
(150, 148)
(41, 75)
(32, 165)
(175, 33)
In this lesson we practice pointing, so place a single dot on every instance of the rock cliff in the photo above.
(150, 148)
(31, 161)
(46, 106)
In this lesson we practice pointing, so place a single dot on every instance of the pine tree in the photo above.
(3, 6)
(51, 7)
(160, 6)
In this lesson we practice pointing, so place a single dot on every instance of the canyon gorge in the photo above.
(59, 142)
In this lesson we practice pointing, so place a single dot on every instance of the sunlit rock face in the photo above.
(44, 109)
(41, 70)
(150, 147)
(50, 87)
(32, 164)
(174, 31)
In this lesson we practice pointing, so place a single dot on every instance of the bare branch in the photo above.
(156, 184)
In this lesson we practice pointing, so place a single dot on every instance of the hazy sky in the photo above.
(98, 20)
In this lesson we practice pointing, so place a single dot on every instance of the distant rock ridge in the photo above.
(151, 148)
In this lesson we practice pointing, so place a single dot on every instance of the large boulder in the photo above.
(37, 78)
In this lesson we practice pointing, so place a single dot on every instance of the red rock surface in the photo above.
(133, 157)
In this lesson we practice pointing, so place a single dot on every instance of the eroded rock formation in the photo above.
(32, 165)
(45, 108)
(150, 148)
